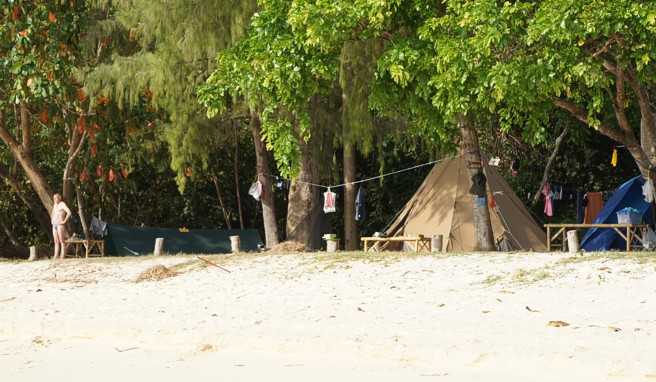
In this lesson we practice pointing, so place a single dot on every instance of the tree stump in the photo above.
(33, 254)
(436, 243)
(572, 242)
(332, 245)
(159, 246)
(234, 244)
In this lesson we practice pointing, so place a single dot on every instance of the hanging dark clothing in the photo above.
(478, 184)
(360, 211)
(580, 207)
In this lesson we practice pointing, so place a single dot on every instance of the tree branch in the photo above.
(25, 127)
(5, 135)
(545, 175)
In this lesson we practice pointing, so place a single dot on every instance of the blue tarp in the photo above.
(628, 194)
(124, 241)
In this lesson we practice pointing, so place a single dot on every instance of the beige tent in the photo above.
(443, 206)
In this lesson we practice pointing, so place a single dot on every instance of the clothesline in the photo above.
(367, 179)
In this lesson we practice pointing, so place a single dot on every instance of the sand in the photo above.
(350, 317)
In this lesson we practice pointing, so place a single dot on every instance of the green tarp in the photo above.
(124, 241)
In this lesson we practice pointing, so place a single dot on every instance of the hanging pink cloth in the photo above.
(548, 204)
(329, 201)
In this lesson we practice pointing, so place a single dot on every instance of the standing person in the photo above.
(59, 217)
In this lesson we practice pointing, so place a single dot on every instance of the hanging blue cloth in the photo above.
(360, 211)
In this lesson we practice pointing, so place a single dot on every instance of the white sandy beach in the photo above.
(297, 317)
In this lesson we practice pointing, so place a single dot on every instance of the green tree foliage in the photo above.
(521, 60)
(277, 74)
(175, 47)
(37, 48)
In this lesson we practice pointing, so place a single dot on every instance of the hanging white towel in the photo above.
(256, 190)
(648, 191)
(329, 199)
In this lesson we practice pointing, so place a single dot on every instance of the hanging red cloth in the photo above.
(595, 203)
(329, 199)
(492, 203)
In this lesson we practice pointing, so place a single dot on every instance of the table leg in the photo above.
(366, 248)
(564, 240)
(548, 239)
(628, 239)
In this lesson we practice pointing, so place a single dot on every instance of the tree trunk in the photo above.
(624, 136)
(263, 171)
(25, 128)
(351, 240)
(226, 215)
(80, 212)
(237, 193)
(357, 67)
(642, 149)
(33, 173)
(484, 236)
(75, 143)
(40, 215)
(303, 200)
(545, 175)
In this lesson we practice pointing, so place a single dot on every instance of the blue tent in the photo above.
(628, 194)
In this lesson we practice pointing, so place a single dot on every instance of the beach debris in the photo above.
(288, 246)
(156, 273)
(532, 310)
(506, 291)
(39, 290)
(213, 264)
(498, 299)
(485, 311)
(558, 324)
(434, 375)
(126, 349)
(360, 309)
(604, 269)
(207, 348)
(38, 340)
(615, 329)
(8, 299)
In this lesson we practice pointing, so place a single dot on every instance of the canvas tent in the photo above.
(124, 240)
(442, 205)
(629, 194)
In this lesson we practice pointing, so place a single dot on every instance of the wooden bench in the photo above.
(629, 232)
(380, 243)
(91, 247)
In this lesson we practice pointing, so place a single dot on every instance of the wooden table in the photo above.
(628, 232)
(91, 247)
(380, 243)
